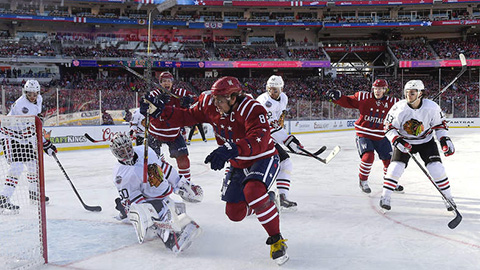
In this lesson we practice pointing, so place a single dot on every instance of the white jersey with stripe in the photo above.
(136, 123)
(25, 132)
(128, 179)
(275, 109)
(415, 125)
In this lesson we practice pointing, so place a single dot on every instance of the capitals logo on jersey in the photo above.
(413, 127)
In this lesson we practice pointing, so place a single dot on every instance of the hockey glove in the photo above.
(119, 206)
(186, 101)
(334, 94)
(221, 155)
(447, 146)
(292, 143)
(153, 105)
(402, 145)
(49, 148)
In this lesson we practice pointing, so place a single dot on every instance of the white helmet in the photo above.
(122, 148)
(275, 81)
(31, 86)
(414, 84)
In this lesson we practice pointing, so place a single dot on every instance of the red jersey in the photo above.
(161, 130)
(372, 113)
(246, 126)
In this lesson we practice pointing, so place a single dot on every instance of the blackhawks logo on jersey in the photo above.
(155, 175)
(413, 127)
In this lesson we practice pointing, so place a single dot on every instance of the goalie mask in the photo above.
(122, 148)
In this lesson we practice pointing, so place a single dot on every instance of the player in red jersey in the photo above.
(243, 135)
(164, 133)
(370, 137)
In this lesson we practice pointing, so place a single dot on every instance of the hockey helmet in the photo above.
(380, 83)
(275, 81)
(122, 148)
(226, 86)
(414, 84)
(165, 75)
(31, 86)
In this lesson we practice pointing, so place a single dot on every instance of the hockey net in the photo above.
(22, 198)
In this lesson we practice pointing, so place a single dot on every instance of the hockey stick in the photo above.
(458, 218)
(87, 207)
(463, 61)
(318, 152)
(92, 139)
(326, 160)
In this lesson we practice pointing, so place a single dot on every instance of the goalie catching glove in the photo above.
(188, 191)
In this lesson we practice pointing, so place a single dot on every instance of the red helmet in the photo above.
(165, 75)
(226, 86)
(380, 83)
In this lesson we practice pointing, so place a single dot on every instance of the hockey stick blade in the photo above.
(454, 222)
(321, 150)
(92, 139)
(332, 154)
(87, 207)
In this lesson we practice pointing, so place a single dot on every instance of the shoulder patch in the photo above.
(268, 104)
(118, 179)
(25, 110)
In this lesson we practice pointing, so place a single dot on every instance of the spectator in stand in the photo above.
(107, 118)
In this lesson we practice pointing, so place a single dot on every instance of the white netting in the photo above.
(21, 234)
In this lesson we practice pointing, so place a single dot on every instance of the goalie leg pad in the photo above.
(140, 216)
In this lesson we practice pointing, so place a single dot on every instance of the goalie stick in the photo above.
(87, 207)
(458, 218)
(326, 160)
(463, 61)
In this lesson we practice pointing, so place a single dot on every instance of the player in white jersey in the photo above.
(137, 127)
(147, 204)
(18, 145)
(409, 125)
(275, 102)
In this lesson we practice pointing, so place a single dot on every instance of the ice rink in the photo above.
(336, 225)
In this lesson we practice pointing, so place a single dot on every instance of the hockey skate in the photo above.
(7, 207)
(364, 186)
(385, 203)
(449, 207)
(35, 197)
(286, 205)
(278, 249)
(180, 241)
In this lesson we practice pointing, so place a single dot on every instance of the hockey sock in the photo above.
(437, 171)
(366, 165)
(183, 164)
(266, 211)
(283, 186)
(386, 162)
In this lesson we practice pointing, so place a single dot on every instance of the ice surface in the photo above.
(336, 225)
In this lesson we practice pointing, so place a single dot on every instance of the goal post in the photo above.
(23, 228)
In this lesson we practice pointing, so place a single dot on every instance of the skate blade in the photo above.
(282, 260)
(399, 192)
(188, 242)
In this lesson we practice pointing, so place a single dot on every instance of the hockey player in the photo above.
(370, 134)
(171, 135)
(147, 204)
(409, 125)
(275, 102)
(243, 135)
(18, 147)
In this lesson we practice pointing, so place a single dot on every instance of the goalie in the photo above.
(147, 204)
